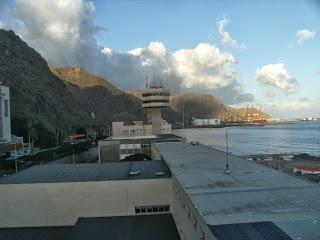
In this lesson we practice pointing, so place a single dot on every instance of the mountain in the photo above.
(69, 97)
(37, 95)
(196, 105)
(98, 96)
(79, 77)
(63, 98)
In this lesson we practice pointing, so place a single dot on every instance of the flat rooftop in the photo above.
(155, 227)
(88, 172)
(251, 193)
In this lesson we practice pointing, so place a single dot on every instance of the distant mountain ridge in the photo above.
(82, 79)
(70, 97)
(98, 96)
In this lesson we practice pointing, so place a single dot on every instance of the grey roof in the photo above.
(251, 193)
(249, 231)
(89, 172)
(155, 227)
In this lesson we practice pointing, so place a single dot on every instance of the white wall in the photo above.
(5, 114)
(189, 222)
(60, 204)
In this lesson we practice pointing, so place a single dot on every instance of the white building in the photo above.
(119, 129)
(206, 122)
(5, 120)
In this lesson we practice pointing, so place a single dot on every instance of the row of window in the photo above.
(155, 94)
(152, 209)
(156, 101)
(6, 108)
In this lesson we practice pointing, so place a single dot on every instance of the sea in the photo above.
(299, 138)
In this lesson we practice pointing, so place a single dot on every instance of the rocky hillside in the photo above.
(97, 95)
(197, 105)
(79, 77)
(65, 99)
(37, 95)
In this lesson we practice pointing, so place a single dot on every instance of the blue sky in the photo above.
(268, 28)
(264, 34)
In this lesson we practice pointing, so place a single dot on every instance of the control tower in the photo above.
(154, 98)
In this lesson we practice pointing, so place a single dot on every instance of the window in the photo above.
(6, 108)
(203, 237)
(156, 101)
(152, 209)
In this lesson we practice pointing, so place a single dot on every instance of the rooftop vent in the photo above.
(194, 142)
(133, 173)
(160, 173)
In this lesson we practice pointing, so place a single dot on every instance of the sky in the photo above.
(260, 53)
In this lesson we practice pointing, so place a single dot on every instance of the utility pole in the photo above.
(15, 156)
(183, 115)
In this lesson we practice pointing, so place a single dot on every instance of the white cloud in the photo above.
(293, 108)
(64, 32)
(204, 66)
(305, 34)
(270, 94)
(276, 75)
(302, 103)
(226, 37)
(203, 69)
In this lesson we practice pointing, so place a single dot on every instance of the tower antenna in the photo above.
(227, 170)
(146, 80)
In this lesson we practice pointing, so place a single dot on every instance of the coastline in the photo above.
(290, 163)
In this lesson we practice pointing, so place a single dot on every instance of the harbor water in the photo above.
(303, 137)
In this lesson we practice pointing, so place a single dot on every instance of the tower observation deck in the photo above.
(155, 98)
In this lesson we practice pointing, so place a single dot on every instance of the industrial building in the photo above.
(118, 148)
(205, 122)
(5, 119)
(187, 187)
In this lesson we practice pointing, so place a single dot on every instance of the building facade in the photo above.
(119, 129)
(206, 122)
(118, 148)
(5, 119)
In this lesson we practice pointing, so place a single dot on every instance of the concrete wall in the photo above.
(87, 156)
(109, 151)
(189, 222)
(60, 204)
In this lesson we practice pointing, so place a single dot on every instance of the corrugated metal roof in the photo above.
(155, 227)
(251, 193)
(89, 172)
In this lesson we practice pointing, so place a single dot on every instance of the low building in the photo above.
(138, 128)
(88, 201)
(313, 170)
(118, 148)
(206, 122)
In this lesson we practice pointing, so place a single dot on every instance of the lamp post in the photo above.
(72, 152)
